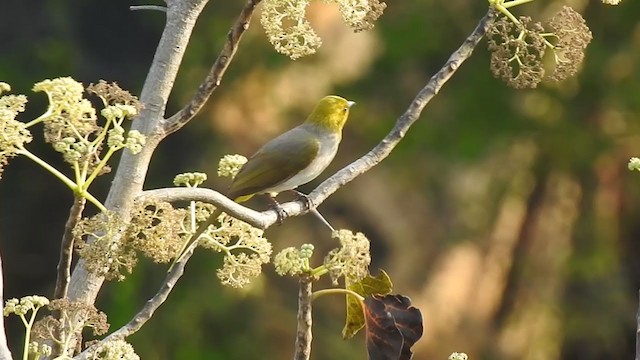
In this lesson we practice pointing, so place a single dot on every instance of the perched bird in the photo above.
(289, 160)
(295, 157)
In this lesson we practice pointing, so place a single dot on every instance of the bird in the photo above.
(295, 157)
(291, 159)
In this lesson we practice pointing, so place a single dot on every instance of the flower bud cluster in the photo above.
(24, 305)
(38, 349)
(297, 38)
(112, 94)
(115, 115)
(458, 356)
(74, 316)
(115, 350)
(244, 246)
(69, 114)
(518, 48)
(193, 179)
(351, 260)
(108, 254)
(293, 261)
(156, 230)
(13, 133)
(230, 165)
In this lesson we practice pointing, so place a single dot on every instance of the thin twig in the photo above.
(317, 214)
(132, 168)
(66, 248)
(384, 148)
(199, 231)
(304, 334)
(322, 192)
(267, 218)
(260, 220)
(148, 309)
(148, 7)
(213, 79)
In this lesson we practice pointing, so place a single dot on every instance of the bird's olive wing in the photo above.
(276, 162)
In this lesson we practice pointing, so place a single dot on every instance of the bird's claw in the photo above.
(308, 204)
(281, 213)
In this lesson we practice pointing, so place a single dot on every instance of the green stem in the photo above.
(192, 213)
(317, 294)
(546, 42)
(93, 200)
(99, 167)
(76, 172)
(228, 249)
(65, 346)
(513, 3)
(102, 134)
(43, 116)
(62, 177)
(25, 353)
(506, 12)
(27, 333)
(26, 338)
(76, 132)
(72, 185)
(319, 271)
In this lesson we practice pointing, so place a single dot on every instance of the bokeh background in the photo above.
(508, 217)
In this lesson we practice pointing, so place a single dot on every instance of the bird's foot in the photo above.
(305, 198)
(280, 212)
(310, 208)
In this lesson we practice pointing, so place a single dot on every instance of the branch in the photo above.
(322, 192)
(384, 148)
(148, 309)
(304, 334)
(261, 220)
(213, 79)
(265, 219)
(148, 7)
(66, 248)
(5, 353)
(132, 169)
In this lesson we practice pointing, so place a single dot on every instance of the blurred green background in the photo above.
(508, 217)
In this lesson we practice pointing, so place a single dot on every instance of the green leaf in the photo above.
(379, 285)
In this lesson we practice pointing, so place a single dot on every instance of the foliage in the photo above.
(158, 230)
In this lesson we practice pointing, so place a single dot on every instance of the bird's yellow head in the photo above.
(331, 113)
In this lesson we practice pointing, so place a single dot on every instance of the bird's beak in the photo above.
(350, 103)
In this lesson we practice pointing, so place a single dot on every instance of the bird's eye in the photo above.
(345, 109)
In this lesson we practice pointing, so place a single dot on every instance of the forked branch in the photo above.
(148, 309)
(267, 218)
(213, 79)
(322, 192)
(66, 248)
(404, 122)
